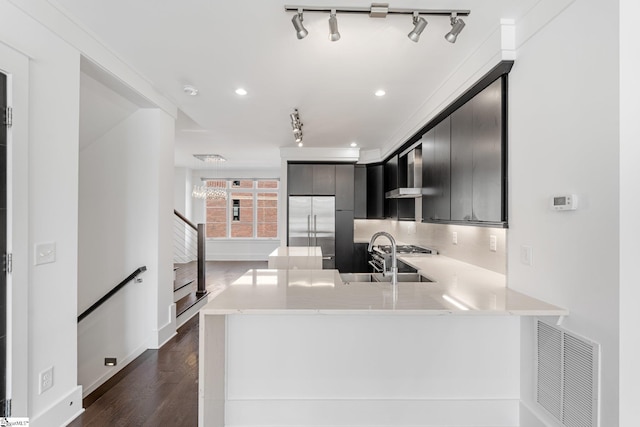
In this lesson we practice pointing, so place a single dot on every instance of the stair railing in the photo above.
(190, 245)
(111, 293)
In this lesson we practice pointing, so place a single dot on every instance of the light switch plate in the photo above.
(45, 253)
(493, 243)
(454, 238)
(526, 255)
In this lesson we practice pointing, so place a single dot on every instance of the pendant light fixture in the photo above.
(212, 189)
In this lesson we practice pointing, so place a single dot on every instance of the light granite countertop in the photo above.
(458, 288)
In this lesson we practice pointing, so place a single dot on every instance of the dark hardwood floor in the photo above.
(160, 388)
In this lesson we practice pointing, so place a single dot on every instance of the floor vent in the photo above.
(567, 376)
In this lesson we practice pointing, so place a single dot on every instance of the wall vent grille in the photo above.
(567, 376)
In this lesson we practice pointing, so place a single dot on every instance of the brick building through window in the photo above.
(250, 210)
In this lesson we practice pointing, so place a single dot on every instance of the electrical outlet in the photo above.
(46, 380)
(493, 243)
(526, 255)
(454, 238)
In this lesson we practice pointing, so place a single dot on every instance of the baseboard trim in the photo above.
(62, 412)
(372, 412)
(112, 372)
(529, 417)
(167, 331)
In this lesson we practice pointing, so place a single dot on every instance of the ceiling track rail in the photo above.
(378, 10)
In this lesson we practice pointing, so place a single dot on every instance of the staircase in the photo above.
(189, 287)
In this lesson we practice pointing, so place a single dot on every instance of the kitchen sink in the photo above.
(348, 278)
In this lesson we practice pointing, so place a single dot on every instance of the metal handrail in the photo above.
(109, 294)
(184, 218)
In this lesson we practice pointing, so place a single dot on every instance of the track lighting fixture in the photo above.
(296, 125)
(419, 24)
(379, 10)
(456, 27)
(334, 35)
(297, 19)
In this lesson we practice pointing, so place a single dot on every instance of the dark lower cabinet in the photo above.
(344, 241)
(361, 258)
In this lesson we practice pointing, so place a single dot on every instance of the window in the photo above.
(250, 210)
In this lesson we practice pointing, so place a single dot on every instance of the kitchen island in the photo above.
(294, 257)
(301, 348)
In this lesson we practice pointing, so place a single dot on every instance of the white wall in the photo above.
(629, 208)
(182, 191)
(49, 201)
(125, 222)
(563, 138)
(53, 82)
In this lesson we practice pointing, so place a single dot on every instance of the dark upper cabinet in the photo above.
(299, 179)
(487, 154)
(462, 163)
(360, 192)
(391, 183)
(375, 191)
(345, 187)
(405, 208)
(436, 172)
(311, 179)
(391, 208)
(403, 165)
(324, 180)
(391, 173)
(476, 158)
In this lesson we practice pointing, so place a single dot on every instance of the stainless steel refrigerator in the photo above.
(312, 222)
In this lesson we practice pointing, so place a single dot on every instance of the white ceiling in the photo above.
(219, 46)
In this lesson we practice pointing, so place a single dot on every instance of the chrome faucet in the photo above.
(394, 262)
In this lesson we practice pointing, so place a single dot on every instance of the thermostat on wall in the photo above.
(565, 202)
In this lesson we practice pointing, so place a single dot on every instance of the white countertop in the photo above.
(297, 251)
(458, 289)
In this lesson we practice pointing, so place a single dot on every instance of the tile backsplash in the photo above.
(473, 242)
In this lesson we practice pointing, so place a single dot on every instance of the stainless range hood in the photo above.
(414, 178)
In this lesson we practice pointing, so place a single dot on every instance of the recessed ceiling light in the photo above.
(354, 144)
(240, 91)
(380, 92)
(190, 90)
